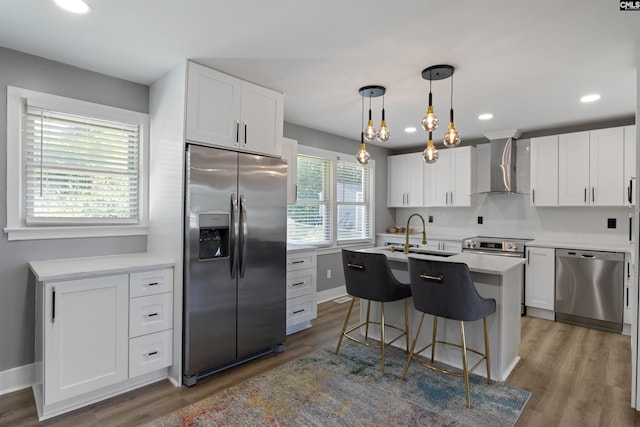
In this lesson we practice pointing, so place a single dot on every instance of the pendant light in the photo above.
(430, 154)
(383, 133)
(430, 120)
(452, 136)
(362, 156)
(369, 132)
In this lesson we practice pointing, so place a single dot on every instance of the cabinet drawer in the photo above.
(301, 309)
(300, 283)
(150, 352)
(150, 282)
(301, 261)
(150, 314)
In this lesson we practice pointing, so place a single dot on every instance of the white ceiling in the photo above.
(528, 63)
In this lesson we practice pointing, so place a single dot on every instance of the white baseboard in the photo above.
(17, 378)
(331, 294)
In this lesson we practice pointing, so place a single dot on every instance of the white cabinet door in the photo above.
(414, 177)
(290, 154)
(261, 119)
(540, 278)
(544, 171)
(405, 180)
(573, 169)
(85, 335)
(213, 107)
(462, 169)
(225, 111)
(606, 171)
(440, 184)
(630, 165)
(450, 178)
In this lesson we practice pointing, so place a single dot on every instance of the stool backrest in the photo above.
(445, 289)
(368, 276)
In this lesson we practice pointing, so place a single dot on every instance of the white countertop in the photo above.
(70, 268)
(479, 263)
(293, 248)
(589, 246)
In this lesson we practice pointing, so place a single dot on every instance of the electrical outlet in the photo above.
(328, 274)
(430, 218)
(480, 219)
(611, 223)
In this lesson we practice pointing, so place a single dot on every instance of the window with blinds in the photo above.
(353, 201)
(309, 220)
(79, 170)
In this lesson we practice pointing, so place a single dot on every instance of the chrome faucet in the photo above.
(424, 232)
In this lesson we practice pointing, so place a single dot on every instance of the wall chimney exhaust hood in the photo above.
(502, 167)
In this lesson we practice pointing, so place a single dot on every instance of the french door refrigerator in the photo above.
(235, 259)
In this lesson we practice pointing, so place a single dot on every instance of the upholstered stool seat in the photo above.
(445, 289)
(369, 277)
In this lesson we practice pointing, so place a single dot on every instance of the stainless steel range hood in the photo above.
(502, 167)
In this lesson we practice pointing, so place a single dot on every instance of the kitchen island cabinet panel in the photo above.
(540, 281)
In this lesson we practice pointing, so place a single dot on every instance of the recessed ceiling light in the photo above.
(590, 98)
(410, 129)
(485, 116)
(74, 6)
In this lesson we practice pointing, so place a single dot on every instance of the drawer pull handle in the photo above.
(298, 311)
(153, 284)
(297, 284)
(152, 314)
(297, 262)
(355, 266)
(153, 353)
(427, 276)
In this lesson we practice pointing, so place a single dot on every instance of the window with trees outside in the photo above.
(80, 164)
(334, 201)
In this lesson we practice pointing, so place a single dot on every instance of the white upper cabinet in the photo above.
(544, 171)
(590, 168)
(405, 180)
(448, 181)
(630, 165)
(225, 111)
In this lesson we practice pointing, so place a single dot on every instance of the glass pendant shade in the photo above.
(383, 133)
(369, 131)
(430, 154)
(430, 121)
(452, 137)
(362, 156)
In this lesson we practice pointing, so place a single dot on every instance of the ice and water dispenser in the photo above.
(214, 236)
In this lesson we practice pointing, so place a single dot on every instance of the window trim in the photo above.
(333, 156)
(16, 227)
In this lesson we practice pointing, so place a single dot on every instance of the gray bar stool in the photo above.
(445, 289)
(369, 277)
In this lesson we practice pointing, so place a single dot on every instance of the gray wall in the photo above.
(16, 297)
(384, 217)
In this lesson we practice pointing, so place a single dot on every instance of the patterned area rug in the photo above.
(325, 389)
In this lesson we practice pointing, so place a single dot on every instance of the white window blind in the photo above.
(309, 220)
(80, 170)
(353, 201)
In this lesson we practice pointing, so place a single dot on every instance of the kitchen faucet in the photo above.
(424, 232)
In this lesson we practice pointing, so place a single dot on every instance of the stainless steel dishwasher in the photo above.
(589, 288)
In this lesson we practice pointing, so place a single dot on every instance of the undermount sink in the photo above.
(421, 251)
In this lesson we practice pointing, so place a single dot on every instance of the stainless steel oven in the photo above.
(498, 246)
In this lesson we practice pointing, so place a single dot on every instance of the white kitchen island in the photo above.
(495, 277)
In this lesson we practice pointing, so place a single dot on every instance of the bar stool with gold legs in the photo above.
(369, 277)
(445, 289)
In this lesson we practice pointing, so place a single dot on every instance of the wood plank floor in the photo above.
(578, 377)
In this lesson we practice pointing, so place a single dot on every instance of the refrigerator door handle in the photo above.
(234, 233)
(243, 233)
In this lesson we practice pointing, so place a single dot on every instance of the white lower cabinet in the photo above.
(98, 333)
(540, 281)
(302, 306)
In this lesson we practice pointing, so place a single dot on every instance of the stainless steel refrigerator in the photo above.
(235, 259)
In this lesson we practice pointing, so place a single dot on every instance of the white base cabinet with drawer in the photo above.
(302, 305)
(100, 331)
